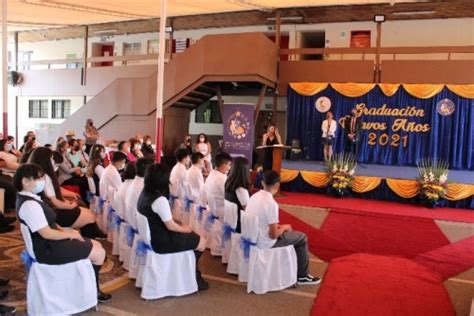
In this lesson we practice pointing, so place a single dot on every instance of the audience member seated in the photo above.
(6, 184)
(188, 144)
(237, 186)
(11, 140)
(167, 236)
(52, 245)
(70, 175)
(58, 140)
(95, 168)
(134, 191)
(127, 177)
(124, 147)
(147, 148)
(64, 202)
(30, 135)
(28, 149)
(83, 150)
(75, 155)
(135, 148)
(195, 180)
(271, 233)
(178, 176)
(111, 177)
(11, 161)
(215, 182)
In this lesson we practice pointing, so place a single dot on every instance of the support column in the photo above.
(160, 81)
(4, 68)
(85, 55)
(277, 42)
(378, 67)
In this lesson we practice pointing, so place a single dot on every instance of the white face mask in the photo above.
(103, 155)
(148, 142)
(39, 187)
(137, 147)
(8, 147)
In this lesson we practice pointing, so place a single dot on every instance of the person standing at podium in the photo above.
(270, 138)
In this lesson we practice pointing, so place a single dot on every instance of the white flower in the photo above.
(345, 168)
(334, 168)
(443, 178)
(431, 176)
(352, 172)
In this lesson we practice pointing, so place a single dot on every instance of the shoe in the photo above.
(100, 235)
(202, 284)
(309, 279)
(4, 281)
(6, 229)
(5, 310)
(103, 298)
(5, 221)
(3, 294)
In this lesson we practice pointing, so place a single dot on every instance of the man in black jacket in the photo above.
(352, 128)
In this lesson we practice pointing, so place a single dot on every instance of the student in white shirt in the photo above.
(195, 180)
(134, 191)
(271, 233)
(215, 182)
(328, 128)
(178, 175)
(95, 167)
(111, 177)
(119, 198)
(237, 186)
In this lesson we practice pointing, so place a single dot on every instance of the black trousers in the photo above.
(6, 184)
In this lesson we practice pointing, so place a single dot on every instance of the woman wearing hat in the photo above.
(91, 134)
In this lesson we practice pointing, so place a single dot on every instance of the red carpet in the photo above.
(450, 260)
(364, 284)
(372, 206)
(346, 232)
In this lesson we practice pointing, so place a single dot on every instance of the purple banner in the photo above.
(238, 129)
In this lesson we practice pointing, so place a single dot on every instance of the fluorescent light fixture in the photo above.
(426, 12)
(287, 18)
(379, 18)
(105, 31)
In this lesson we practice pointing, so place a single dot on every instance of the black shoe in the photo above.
(202, 284)
(4, 281)
(103, 298)
(3, 294)
(6, 228)
(309, 280)
(100, 235)
(5, 221)
(5, 310)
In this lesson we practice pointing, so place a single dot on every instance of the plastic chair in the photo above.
(228, 229)
(213, 227)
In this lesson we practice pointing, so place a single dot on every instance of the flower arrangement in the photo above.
(433, 179)
(340, 170)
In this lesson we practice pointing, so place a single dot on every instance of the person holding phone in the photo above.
(270, 138)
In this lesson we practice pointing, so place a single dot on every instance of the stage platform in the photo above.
(381, 171)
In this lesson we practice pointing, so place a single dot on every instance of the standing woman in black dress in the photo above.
(167, 236)
(51, 243)
(270, 138)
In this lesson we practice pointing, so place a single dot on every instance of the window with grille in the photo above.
(61, 109)
(38, 109)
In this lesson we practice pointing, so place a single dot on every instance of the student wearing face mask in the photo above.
(124, 147)
(91, 134)
(110, 179)
(204, 147)
(95, 168)
(52, 245)
(83, 150)
(64, 202)
(11, 161)
(135, 148)
(147, 148)
(215, 182)
(75, 155)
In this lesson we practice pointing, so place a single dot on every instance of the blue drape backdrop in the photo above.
(450, 137)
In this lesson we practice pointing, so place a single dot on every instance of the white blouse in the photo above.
(331, 130)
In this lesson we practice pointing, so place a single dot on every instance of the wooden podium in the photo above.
(278, 151)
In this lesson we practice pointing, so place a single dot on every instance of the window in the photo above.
(38, 109)
(208, 112)
(71, 65)
(130, 49)
(61, 109)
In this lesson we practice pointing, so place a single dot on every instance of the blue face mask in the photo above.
(9, 147)
(39, 187)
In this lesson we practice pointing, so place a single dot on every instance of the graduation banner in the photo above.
(238, 129)
(401, 123)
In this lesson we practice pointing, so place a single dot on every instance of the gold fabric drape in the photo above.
(404, 188)
(365, 184)
(308, 88)
(459, 191)
(316, 179)
(353, 90)
(287, 175)
(465, 91)
(423, 91)
(389, 89)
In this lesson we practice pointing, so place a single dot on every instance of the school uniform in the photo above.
(131, 200)
(195, 188)
(36, 214)
(215, 187)
(263, 205)
(240, 197)
(64, 217)
(157, 210)
(119, 198)
(178, 181)
(110, 179)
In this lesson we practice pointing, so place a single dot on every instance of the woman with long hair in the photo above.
(203, 146)
(328, 128)
(237, 185)
(270, 138)
(167, 236)
(135, 148)
(64, 202)
(95, 168)
(28, 148)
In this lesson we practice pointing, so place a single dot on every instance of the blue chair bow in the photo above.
(89, 196)
(110, 216)
(200, 210)
(27, 260)
(245, 244)
(142, 249)
(187, 204)
(227, 231)
(210, 222)
(115, 222)
(172, 199)
(130, 235)
(101, 204)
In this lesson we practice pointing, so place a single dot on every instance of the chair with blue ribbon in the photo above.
(210, 222)
(27, 260)
(200, 212)
(172, 199)
(130, 235)
(227, 231)
(114, 221)
(245, 244)
(101, 205)
(141, 251)
(187, 204)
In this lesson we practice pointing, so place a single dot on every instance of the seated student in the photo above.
(83, 151)
(11, 140)
(147, 148)
(119, 198)
(167, 236)
(124, 147)
(70, 175)
(95, 167)
(64, 202)
(75, 155)
(28, 148)
(52, 245)
(271, 233)
(30, 135)
(111, 176)
(215, 182)
(134, 191)
(10, 160)
(195, 180)
(135, 148)
(237, 186)
(178, 175)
